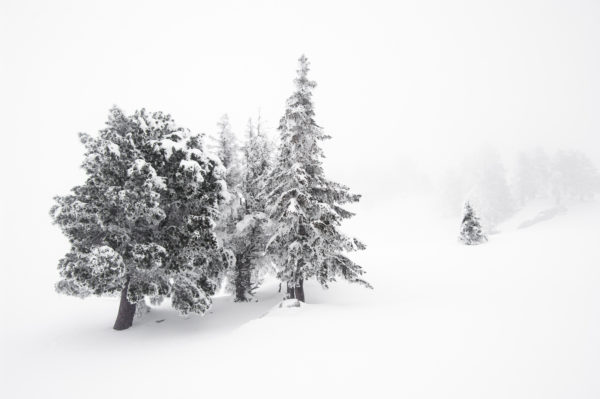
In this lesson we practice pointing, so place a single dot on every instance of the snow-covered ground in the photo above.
(518, 317)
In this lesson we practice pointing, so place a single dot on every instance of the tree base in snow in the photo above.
(126, 312)
(290, 303)
(296, 292)
(474, 242)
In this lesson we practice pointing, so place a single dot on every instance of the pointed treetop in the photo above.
(250, 129)
(224, 122)
(302, 82)
(259, 130)
(468, 207)
(471, 232)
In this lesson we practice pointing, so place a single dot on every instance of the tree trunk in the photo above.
(296, 290)
(126, 311)
(242, 281)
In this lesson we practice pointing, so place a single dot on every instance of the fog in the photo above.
(399, 82)
(410, 91)
(429, 104)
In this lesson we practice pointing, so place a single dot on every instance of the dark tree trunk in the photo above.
(242, 281)
(126, 311)
(240, 294)
(296, 290)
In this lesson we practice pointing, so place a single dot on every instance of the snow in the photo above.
(193, 167)
(113, 148)
(138, 167)
(517, 317)
(168, 146)
(199, 154)
(246, 222)
(293, 206)
(98, 259)
(543, 216)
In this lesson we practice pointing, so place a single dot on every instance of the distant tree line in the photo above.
(567, 175)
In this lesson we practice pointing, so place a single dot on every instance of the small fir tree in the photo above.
(471, 232)
(142, 223)
(304, 207)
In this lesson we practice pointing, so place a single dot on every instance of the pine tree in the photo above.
(227, 151)
(304, 207)
(574, 176)
(257, 163)
(244, 233)
(532, 178)
(525, 183)
(232, 210)
(471, 232)
(142, 223)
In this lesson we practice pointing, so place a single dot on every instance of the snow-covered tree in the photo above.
(232, 209)
(304, 207)
(471, 232)
(258, 159)
(532, 177)
(490, 193)
(480, 179)
(142, 223)
(227, 151)
(245, 229)
(525, 188)
(542, 166)
(574, 176)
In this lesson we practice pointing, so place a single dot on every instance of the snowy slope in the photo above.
(518, 317)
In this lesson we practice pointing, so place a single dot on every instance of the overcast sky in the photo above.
(397, 80)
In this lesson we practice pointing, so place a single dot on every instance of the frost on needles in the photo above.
(142, 223)
(159, 217)
(243, 223)
(471, 232)
(304, 207)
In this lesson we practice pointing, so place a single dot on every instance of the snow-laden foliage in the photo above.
(143, 220)
(305, 207)
(250, 234)
(242, 226)
(228, 152)
(471, 232)
(257, 162)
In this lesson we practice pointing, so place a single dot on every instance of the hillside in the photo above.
(515, 318)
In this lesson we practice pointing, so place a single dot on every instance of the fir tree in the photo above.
(227, 150)
(574, 176)
(471, 232)
(304, 207)
(232, 210)
(244, 228)
(142, 223)
(257, 163)
(532, 177)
